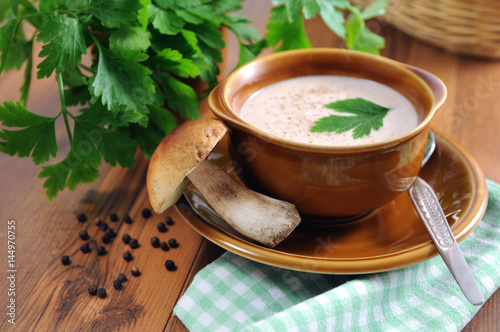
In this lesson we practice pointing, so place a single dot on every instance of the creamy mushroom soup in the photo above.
(290, 108)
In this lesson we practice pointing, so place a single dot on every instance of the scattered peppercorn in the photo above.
(127, 256)
(164, 246)
(101, 292)
(127, 219)
(65, 260)
(101, 251)
(85, 248)
(146, 213)
(155, 242)
(173, 243)
(113, 217)
(135, 271)
(133, 243)
(126, 238)
(92, 290)
(162, 227)
(122, 277)
(111, 233)
(81, 217)
(169, 221)
(83, 235)
(106, 238)
(104, 226)
(170, 265)
(117, 284)
(97, 221)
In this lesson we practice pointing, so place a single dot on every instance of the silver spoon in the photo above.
(427, 205)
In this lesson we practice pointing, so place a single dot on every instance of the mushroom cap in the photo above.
(179, 152)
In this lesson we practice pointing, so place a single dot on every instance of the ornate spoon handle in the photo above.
(430, 212)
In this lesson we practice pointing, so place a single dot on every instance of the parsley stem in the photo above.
(64, 110)
(87, 68)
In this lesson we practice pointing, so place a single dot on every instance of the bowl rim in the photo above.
(219, 104)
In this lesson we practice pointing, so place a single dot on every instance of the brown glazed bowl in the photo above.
(327, 182)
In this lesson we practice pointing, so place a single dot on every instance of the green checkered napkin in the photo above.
(234, 293)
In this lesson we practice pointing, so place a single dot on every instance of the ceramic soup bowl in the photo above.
(326, 181)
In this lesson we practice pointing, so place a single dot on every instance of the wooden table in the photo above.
(50, 296)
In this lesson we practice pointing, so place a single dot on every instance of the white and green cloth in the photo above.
(237, 294)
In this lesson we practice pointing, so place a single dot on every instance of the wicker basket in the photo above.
(469, 27)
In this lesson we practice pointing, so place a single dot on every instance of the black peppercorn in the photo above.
(146, 213)
(85, 248)
(133, 243)
(164, 246)
(106, 238)
(155, 242)
(101, 250)
(97, 221)
(92, 290)
(122, 277)
(173, 243)
(170, 265)
(101, 292)
(111, 233)
(113, 217)
(135, 271)
(65, 260)
(83, 235)
(117, 284)
(169, 221)
(81, 217)
(161, 227)
(127, 219)
(103, 226)
(127, 256)
(126, 238)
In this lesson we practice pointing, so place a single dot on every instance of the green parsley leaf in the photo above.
(65, 44)
(291, 34)
(57, 174)
(129, 37)
(95, 130)
(94, 141)
(38, 138)
(167, 22)
(367, 116)
(181, 98)
(174, 4)
(332, 15)
(374, 9)
(210, 41)
(359, 37)
(14, 47)
(114, 13)
(172, 61)
(4, 9)
(144, 13)
(123, 82)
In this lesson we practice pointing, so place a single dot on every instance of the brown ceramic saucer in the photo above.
(390, 237)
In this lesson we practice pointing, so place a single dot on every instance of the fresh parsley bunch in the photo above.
(144, 54)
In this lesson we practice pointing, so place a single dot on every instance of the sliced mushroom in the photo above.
(181, 156)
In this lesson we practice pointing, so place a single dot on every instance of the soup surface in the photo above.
(289, 108)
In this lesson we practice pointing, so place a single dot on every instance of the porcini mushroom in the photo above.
(181, 157)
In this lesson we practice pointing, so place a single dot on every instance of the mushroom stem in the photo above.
(262, 218)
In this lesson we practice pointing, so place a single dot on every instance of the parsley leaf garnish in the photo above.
(366, 116)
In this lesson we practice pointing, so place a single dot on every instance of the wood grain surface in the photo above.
(53, 297)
